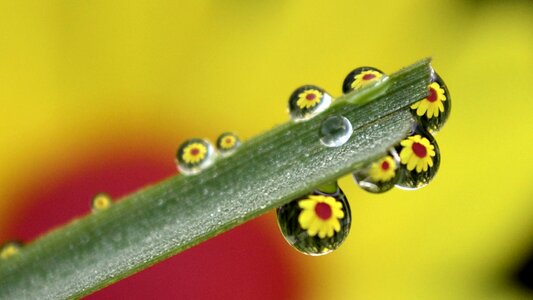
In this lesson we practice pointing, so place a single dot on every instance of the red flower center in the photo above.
(323, 210)
(228, 141)
(195, 151)
(432, 95)
(419, 150)
(385, 165)
(368, 76)
(310, 97)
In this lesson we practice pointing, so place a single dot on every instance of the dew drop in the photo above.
(308, 101)
(433, 111)
(335, 131)
(362, 77)
(101, 202)
(10, 249)
(379, 176)
(194, 155)
(227, 143)
(419, 159)
(316, 224)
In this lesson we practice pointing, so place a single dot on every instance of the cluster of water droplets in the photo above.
(195, 155)
(318, 223)
(414, 162)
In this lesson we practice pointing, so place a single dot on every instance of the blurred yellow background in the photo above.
(77, 75)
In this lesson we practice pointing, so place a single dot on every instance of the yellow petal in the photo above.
(330, 231)
(313, 227)
(336, 225)
(430, 161)
(412, 163)
(306, 204)
(305, 218)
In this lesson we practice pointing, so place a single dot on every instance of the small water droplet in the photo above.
(316, 224)
(335, 131)
(362, 77)
(194, 155)
(227, 143)
(9, 249)
(433, 111)
(419, 159)
(308, 101)
(101, 202)
(380, 175)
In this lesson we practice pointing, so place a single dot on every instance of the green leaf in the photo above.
(182, 211)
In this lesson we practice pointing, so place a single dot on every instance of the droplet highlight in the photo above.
(433, 111)
(227, 143)
(335, 131)
(419, 159)
(362, 77)
(380, 175)
(101, 202)
(307, 102)
(194, 155)
(316, 224)
(10, 249)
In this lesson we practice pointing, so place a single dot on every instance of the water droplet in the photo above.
(316, 224)
(335, 131)
(101, 201)
(9, 249)
(380, 175)
(433, 111)
(227, 143)
(194, 155)
(362, 77)
(308, 101)
(419, 159)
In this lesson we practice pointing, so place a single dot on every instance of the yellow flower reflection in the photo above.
(308, 99)
(432, 104)
(228, 142)
(417, 152)
(320, 215)
(365, 78)
(101, 202)
(194, 153)
(9, 250)
(383, 170)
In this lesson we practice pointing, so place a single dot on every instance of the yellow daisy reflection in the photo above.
(194, 153)
(365, 78)
(417, 152)
(320, 215)
(383, 170)
(308, 99)
(432, 104)
(228, 142)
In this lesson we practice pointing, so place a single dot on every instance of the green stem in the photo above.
(182, 211)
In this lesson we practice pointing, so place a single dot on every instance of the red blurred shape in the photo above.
(244, 263)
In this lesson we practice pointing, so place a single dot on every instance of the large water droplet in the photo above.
(308, 101)
(362, 77)
(335, 131)
(101, 202)
(419, 159)
(9, 249)
(227, 143)
(316, 224)
(194, 155)
(380, 175)
(433, 111)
